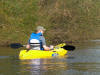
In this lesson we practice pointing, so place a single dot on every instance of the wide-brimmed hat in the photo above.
(40, 28)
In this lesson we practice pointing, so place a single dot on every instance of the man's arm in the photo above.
(44, 44)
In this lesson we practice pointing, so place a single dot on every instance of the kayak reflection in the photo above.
(41, 66)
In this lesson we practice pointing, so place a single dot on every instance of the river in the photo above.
(85, 60)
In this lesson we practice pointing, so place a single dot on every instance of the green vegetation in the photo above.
(65, 20)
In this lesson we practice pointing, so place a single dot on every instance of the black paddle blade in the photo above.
(69, 47)
(16, 45)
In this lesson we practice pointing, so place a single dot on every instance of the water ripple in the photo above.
(3, 57)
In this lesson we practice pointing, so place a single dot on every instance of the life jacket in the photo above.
(35, 40)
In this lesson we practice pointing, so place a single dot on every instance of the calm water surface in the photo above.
(85, 60)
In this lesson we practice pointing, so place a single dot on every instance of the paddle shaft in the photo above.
(66, 47)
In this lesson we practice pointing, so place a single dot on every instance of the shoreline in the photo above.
(7, 43)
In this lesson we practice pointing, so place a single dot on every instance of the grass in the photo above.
(64, 20)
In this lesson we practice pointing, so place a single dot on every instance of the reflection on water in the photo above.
(41, 66)
(85, 60)
(3, 57)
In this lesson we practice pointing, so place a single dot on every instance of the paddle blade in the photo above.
(16, 45)
(69, 47)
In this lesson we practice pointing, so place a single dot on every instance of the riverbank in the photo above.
(63, 22)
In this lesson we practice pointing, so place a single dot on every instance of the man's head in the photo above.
(40, 29)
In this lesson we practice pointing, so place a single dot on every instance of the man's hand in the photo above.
(28, 46)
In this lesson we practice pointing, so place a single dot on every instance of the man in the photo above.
(37, 40)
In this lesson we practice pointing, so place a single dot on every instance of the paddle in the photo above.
(16, 45)
(69, 47)
(66, 47)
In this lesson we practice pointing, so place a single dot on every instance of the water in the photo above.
(85, 60)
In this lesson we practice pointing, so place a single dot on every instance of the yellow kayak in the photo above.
(36, 54)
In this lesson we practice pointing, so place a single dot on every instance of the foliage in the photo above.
(71, 19)
(65, 20)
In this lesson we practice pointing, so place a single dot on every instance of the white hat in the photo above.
(41, 28)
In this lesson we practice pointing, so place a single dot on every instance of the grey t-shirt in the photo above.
(43, 40)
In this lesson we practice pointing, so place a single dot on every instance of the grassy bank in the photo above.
(64, 20)
(17, 20)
